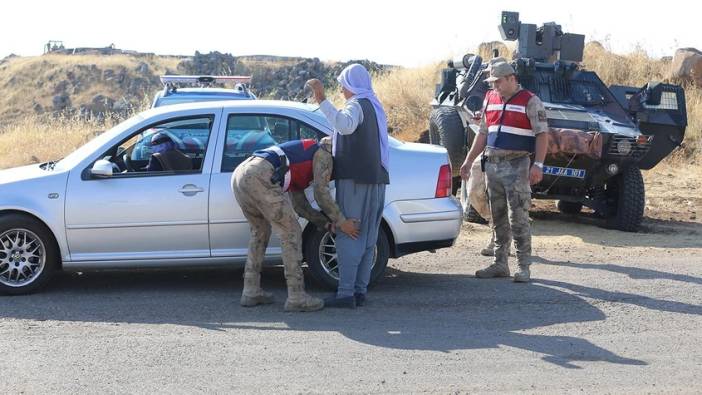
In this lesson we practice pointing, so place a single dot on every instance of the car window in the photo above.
(176, 145)
(307, 132)
(249, 133)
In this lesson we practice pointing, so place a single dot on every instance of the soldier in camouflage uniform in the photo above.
(511, 129)
(264, 203)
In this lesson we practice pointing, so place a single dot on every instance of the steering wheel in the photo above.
(126, 158)
(118, 161)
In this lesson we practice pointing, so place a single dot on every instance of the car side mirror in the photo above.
(102, 169)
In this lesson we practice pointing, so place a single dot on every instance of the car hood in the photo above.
(24, 173)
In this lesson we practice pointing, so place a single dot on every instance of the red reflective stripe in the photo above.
(307, 143)
(299, 154)
(511, 118)
(516, 119)
(300, 176)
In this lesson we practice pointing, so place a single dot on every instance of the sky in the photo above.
(402, 33)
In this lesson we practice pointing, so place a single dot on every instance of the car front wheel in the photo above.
(323, 262)
(28, 254)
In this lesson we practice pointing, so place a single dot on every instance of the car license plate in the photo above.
(564, 172)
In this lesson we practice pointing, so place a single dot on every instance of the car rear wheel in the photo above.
(28, 254)
(322, 259)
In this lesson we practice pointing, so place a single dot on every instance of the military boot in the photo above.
(299, 300)
(494, 270)
(253, 295)
(522, 275)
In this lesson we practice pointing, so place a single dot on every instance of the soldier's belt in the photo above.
(504, 158)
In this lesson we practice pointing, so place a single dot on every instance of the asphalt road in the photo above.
(607, 312)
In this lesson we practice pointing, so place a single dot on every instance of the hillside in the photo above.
(94, 84)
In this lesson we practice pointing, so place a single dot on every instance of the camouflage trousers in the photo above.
(509, 193)
(265, 205)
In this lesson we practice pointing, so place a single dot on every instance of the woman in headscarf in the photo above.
(360, 149)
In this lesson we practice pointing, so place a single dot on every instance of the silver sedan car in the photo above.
(105, 207)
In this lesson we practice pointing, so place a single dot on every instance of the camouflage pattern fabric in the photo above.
(510, 199)
(322, 166)
(265, 205)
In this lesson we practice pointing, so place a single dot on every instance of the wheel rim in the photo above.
(22, 257)
(328, 257)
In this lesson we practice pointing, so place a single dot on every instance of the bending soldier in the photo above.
(259, 185)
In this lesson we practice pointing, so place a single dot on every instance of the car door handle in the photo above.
(190, 190)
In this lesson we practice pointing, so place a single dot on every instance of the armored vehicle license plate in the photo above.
(564, 172)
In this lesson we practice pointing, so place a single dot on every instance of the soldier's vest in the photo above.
(357, 155)
(292, 162)
(508, 126)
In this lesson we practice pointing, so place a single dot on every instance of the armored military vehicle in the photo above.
(600, 138)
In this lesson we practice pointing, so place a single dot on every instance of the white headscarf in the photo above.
(356, 79)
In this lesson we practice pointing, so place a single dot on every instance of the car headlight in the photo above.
(624, 147)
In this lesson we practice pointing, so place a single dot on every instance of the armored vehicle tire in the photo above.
(626, 196)
(471, 215)
(571, 208)
(28, 254)
(446, 129)
(320, 253)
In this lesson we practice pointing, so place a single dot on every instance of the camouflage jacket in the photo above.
(322, 166)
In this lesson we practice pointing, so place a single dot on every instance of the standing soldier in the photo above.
(259, 185)
(511, 129)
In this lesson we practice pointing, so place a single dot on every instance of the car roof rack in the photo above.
(171, 82)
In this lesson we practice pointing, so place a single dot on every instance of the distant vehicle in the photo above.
(101, 208)
(600, 137)
(178, 89)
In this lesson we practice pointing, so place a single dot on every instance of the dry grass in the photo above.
(405, 94)
(38, 139)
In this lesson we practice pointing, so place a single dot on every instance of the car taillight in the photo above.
(443, 184)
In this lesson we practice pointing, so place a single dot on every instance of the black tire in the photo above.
(47, 246)
(471, 215)
(570, 208)
(324, 278)
(446, 129)
(626, 198)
